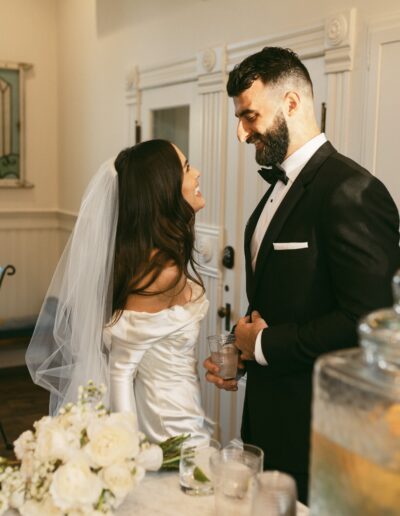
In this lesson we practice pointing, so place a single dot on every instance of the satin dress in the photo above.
(153, 369)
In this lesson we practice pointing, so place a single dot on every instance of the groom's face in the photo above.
(261, 122)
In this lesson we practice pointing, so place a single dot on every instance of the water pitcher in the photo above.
(355, 465)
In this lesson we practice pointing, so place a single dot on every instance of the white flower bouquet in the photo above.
(82, 461)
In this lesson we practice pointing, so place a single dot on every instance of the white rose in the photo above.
(74, 486)
(28, 465)
(3, 503)
(17, 498)
(150, 457)
(76, 420)
(111, 442)
(90, 513)
(118, 479)
(139, 474)
(126, 419)
(24, 444)
(34, 508)
(53, 442)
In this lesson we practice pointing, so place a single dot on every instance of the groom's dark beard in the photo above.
(275, 142)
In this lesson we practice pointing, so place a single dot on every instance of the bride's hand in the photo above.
(211, 376)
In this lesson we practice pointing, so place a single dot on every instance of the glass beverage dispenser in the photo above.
(355, 464)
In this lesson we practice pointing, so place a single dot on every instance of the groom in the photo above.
(321, 248)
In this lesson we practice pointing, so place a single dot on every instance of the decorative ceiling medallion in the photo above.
(336, 30)
(209, 60)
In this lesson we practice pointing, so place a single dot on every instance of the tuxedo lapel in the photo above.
(290, 200)
(250, 227)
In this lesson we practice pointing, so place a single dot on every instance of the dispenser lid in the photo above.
(383, 326)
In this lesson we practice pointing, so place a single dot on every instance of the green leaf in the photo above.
(199, 475)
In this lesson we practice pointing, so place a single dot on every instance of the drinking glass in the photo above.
(275, 494)
(233, 472)
(224, 354)
(195, 476)
(250, 448)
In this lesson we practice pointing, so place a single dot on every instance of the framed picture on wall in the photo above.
(12, 124)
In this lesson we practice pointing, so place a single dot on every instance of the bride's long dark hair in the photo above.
(155, 223)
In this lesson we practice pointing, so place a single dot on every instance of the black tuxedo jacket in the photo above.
(312, 298)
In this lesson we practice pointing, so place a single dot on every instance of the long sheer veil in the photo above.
(66, 349)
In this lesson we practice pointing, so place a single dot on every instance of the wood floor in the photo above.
(21, 403)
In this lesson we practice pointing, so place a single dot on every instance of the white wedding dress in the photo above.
(153, 369)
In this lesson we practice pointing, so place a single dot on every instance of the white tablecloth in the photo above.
(160, 494)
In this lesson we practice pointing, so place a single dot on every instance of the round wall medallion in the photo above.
(336, 30)
(209, 60)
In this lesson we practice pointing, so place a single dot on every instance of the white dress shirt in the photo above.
(293, 165)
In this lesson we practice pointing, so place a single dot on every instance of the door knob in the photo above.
(225, 311)
(222, 311)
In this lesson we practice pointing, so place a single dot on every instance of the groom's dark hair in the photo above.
(272, 65)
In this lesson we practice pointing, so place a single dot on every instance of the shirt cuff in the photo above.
(258, 353)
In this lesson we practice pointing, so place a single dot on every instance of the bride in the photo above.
(126, 301)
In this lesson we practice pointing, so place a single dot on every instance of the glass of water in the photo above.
(275, 494)
(195, 476)
(224, 354)
(234, 470)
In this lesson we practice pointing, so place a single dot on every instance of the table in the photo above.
(160, 494)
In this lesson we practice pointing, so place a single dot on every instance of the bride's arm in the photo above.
(123, 361)
(126, 353)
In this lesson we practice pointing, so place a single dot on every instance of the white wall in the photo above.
(28, 229)
(99, 40)
(28, 34)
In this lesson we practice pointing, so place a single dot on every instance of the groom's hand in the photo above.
(212, 376)
(246, 332)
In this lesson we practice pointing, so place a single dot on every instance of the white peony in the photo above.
(111, 441)
(139, 474)
(24, 444)
(28, 463)
(150, 457)
(3, 503)
(17, 498)
(76, 420)
(53, 442)
(74, 486)
(45, 507)
(126, 419)
(91, 512)
(118, 479)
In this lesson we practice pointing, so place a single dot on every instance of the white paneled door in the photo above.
(382, 108)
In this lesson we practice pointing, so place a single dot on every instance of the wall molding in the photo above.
(165, 74)
(308, 42)
(208, 249)
(36, 219)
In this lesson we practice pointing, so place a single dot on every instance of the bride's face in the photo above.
(190, 184)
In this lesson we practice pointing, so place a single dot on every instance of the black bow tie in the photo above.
(274, 174)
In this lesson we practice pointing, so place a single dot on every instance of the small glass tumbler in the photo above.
(195, 476)
(251, 448)
(233, 471)
(224, 354)
(275, 494)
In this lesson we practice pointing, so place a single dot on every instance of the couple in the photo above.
(321, 248)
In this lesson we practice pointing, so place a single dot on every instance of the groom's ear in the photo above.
(292, 102)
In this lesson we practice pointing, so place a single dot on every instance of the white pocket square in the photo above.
(289, 246)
